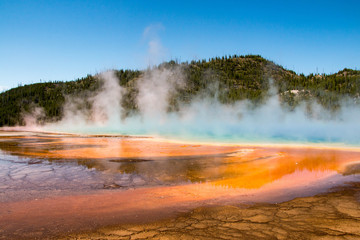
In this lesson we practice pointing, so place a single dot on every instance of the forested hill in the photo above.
(233, 77)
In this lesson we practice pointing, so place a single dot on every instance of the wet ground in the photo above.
(53, 185)
(333, 215)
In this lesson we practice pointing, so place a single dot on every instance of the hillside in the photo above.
(229, 79)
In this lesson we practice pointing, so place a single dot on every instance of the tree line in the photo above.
(228, 78)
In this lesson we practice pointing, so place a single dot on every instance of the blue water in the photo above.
(222, 137)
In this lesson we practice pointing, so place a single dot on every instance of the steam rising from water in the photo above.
(204, 118)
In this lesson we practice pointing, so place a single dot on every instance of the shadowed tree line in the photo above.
(228, 78)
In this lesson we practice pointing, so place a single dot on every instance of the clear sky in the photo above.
(65, 40)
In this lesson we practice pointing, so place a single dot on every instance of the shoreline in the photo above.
(157, 138)
(327, 146)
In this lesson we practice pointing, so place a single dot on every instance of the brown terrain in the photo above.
(330, 216)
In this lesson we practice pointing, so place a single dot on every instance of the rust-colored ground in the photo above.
(187, 177)
(323, 217)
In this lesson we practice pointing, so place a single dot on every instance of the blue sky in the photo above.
(65, 40)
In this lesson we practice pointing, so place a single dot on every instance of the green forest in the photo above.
(227, 78)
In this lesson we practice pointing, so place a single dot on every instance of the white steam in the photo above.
(156, 51)
(155, 89)
(204, 118)
(32, 119)
(107, 103)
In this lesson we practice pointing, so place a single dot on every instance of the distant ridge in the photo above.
(227, 79)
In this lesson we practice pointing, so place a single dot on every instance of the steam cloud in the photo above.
(156, 51)
(204, 118)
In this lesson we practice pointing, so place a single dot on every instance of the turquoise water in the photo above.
(225, 127)
(231, 139)
(237, 136)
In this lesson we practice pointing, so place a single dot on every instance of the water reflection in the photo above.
(125, 162)
(251, 172)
